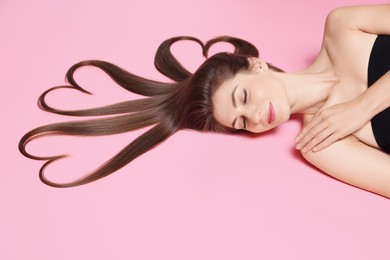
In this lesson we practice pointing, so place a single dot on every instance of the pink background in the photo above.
(197, 196)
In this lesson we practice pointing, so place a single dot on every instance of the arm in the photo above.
(355, 163)
(378, 92)
(343, 119)
(340, 120)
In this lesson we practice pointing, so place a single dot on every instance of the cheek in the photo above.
(264, 90)
(258, 94)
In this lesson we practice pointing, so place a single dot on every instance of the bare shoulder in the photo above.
(373, 19)
(356, 163)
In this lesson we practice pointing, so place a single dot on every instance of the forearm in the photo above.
(377, 97)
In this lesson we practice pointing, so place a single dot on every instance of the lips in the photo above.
(271, 114)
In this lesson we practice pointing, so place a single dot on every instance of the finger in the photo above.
(328, 141)
(325, 143)
(313, 133)
(319, 138)
(308, 127)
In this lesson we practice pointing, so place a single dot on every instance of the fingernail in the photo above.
(298, 146)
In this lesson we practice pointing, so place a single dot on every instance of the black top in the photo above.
(378, 65)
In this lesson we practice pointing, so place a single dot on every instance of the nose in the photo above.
(253, 114)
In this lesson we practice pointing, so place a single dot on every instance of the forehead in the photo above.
(223, 109)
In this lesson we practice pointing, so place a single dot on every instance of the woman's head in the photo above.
(198, 96)
(253, 99)
(235, 91)
(201, 110)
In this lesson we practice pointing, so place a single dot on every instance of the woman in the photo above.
(239, 91)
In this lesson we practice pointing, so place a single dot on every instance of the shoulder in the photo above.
(339, 19)
(374, 19)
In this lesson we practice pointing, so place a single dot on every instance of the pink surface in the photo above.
(197, 196)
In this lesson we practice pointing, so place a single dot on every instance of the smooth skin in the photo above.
(332, 96)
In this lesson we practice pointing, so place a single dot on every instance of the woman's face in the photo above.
(254, 100)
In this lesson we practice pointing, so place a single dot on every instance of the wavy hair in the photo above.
(184, 103)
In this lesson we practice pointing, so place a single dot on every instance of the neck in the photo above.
(307, 91)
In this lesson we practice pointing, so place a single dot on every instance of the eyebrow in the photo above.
(234, 104)
(233, 97)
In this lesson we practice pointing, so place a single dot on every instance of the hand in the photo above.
(332, 124)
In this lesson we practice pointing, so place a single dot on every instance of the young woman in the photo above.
(344, 97)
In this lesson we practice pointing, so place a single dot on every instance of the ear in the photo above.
(257, 65)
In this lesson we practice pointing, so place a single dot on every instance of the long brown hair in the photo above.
(184, 103)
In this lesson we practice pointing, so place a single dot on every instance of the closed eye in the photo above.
(244, 101)
(245, 96)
